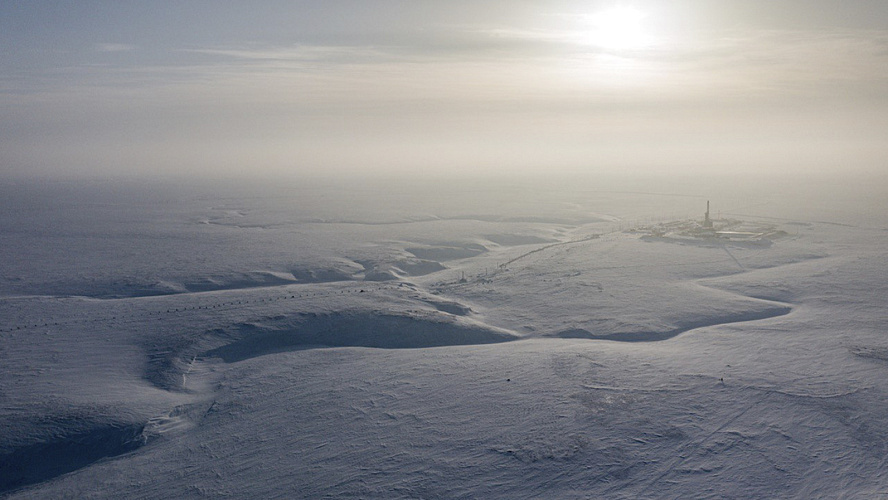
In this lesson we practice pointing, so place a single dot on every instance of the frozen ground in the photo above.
(430, 340)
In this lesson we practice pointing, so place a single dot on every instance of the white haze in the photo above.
(350, 88)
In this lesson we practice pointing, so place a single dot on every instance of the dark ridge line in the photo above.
(227, 306)
(32, 464)
(478, 218)
(159, 293)
(370, 330)
(632, 337)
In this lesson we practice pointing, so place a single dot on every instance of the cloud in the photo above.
(465, 95)
(114, 47)
(299, 53)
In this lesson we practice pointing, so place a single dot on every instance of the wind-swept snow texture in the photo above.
(308, 342)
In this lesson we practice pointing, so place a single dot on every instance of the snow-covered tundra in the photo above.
(492, 340)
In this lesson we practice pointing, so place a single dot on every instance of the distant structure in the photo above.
(707, 222)
(736, 231)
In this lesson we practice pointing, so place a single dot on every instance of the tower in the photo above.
(707, 222)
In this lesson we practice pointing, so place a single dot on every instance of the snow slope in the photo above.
(520, 349)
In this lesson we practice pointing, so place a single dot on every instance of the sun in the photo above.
(617, 28)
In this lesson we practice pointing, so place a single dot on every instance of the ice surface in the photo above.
(501, 340)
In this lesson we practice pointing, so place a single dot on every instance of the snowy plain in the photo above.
(421, 339)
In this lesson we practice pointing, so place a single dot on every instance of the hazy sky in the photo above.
(279, 87)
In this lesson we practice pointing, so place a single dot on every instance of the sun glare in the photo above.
(618, 28)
